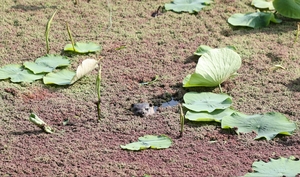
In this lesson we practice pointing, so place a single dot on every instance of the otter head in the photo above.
(142, 109)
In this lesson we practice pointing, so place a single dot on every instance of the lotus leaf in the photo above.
(82, 47)
(17, 73)
(288, 167)
(214, 67)
(46, 64)
(216, 115)
(206, 101)
(253, 19)
(288, 8)
(264, 125)
(190, 6)
(149, 141)
(263, 4)
(62, 77)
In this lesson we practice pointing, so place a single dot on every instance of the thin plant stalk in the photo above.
(297, 34)
(48, 30)
(220, 88)
(110, 15)
(181, 120)
(70, 36)
(98, 85)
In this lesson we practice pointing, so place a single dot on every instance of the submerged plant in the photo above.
(40, 123)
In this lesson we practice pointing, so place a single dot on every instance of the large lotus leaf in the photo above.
(264, 125)
(288, 8)
(83, 47)
(206, 101)
(253, 19)
(149, 141)
(216, 115)
(214, 67)
(47, 63)
(263, 4)
(288, 167)
(190, 6)
(63, 77)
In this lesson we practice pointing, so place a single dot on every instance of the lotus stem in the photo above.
(98, 85)
(220, 88)
(47, 32)
(110, 15)
(181, 120)
(70, 36)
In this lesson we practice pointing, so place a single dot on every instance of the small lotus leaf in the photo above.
(62, 77)
(287, 167)
(190, 6)
(9, 70)
(253, 19)
(264, 125)
(263, 4)
(206, 101)
(47, 63)
(149, 141)
(25, 76)
(202, 49)
(216, 115)
(83, 47)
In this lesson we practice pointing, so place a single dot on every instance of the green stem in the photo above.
(220, 88)
(110, 15)
(98, 85)
(181, 120)
(48, 31)
(70, 36)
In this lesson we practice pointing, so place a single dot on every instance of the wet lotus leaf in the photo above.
(288, 167)
(264, 125)
(149, 141)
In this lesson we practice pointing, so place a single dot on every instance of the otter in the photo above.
(142, 109)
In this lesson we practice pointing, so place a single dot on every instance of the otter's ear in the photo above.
(150, 105)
